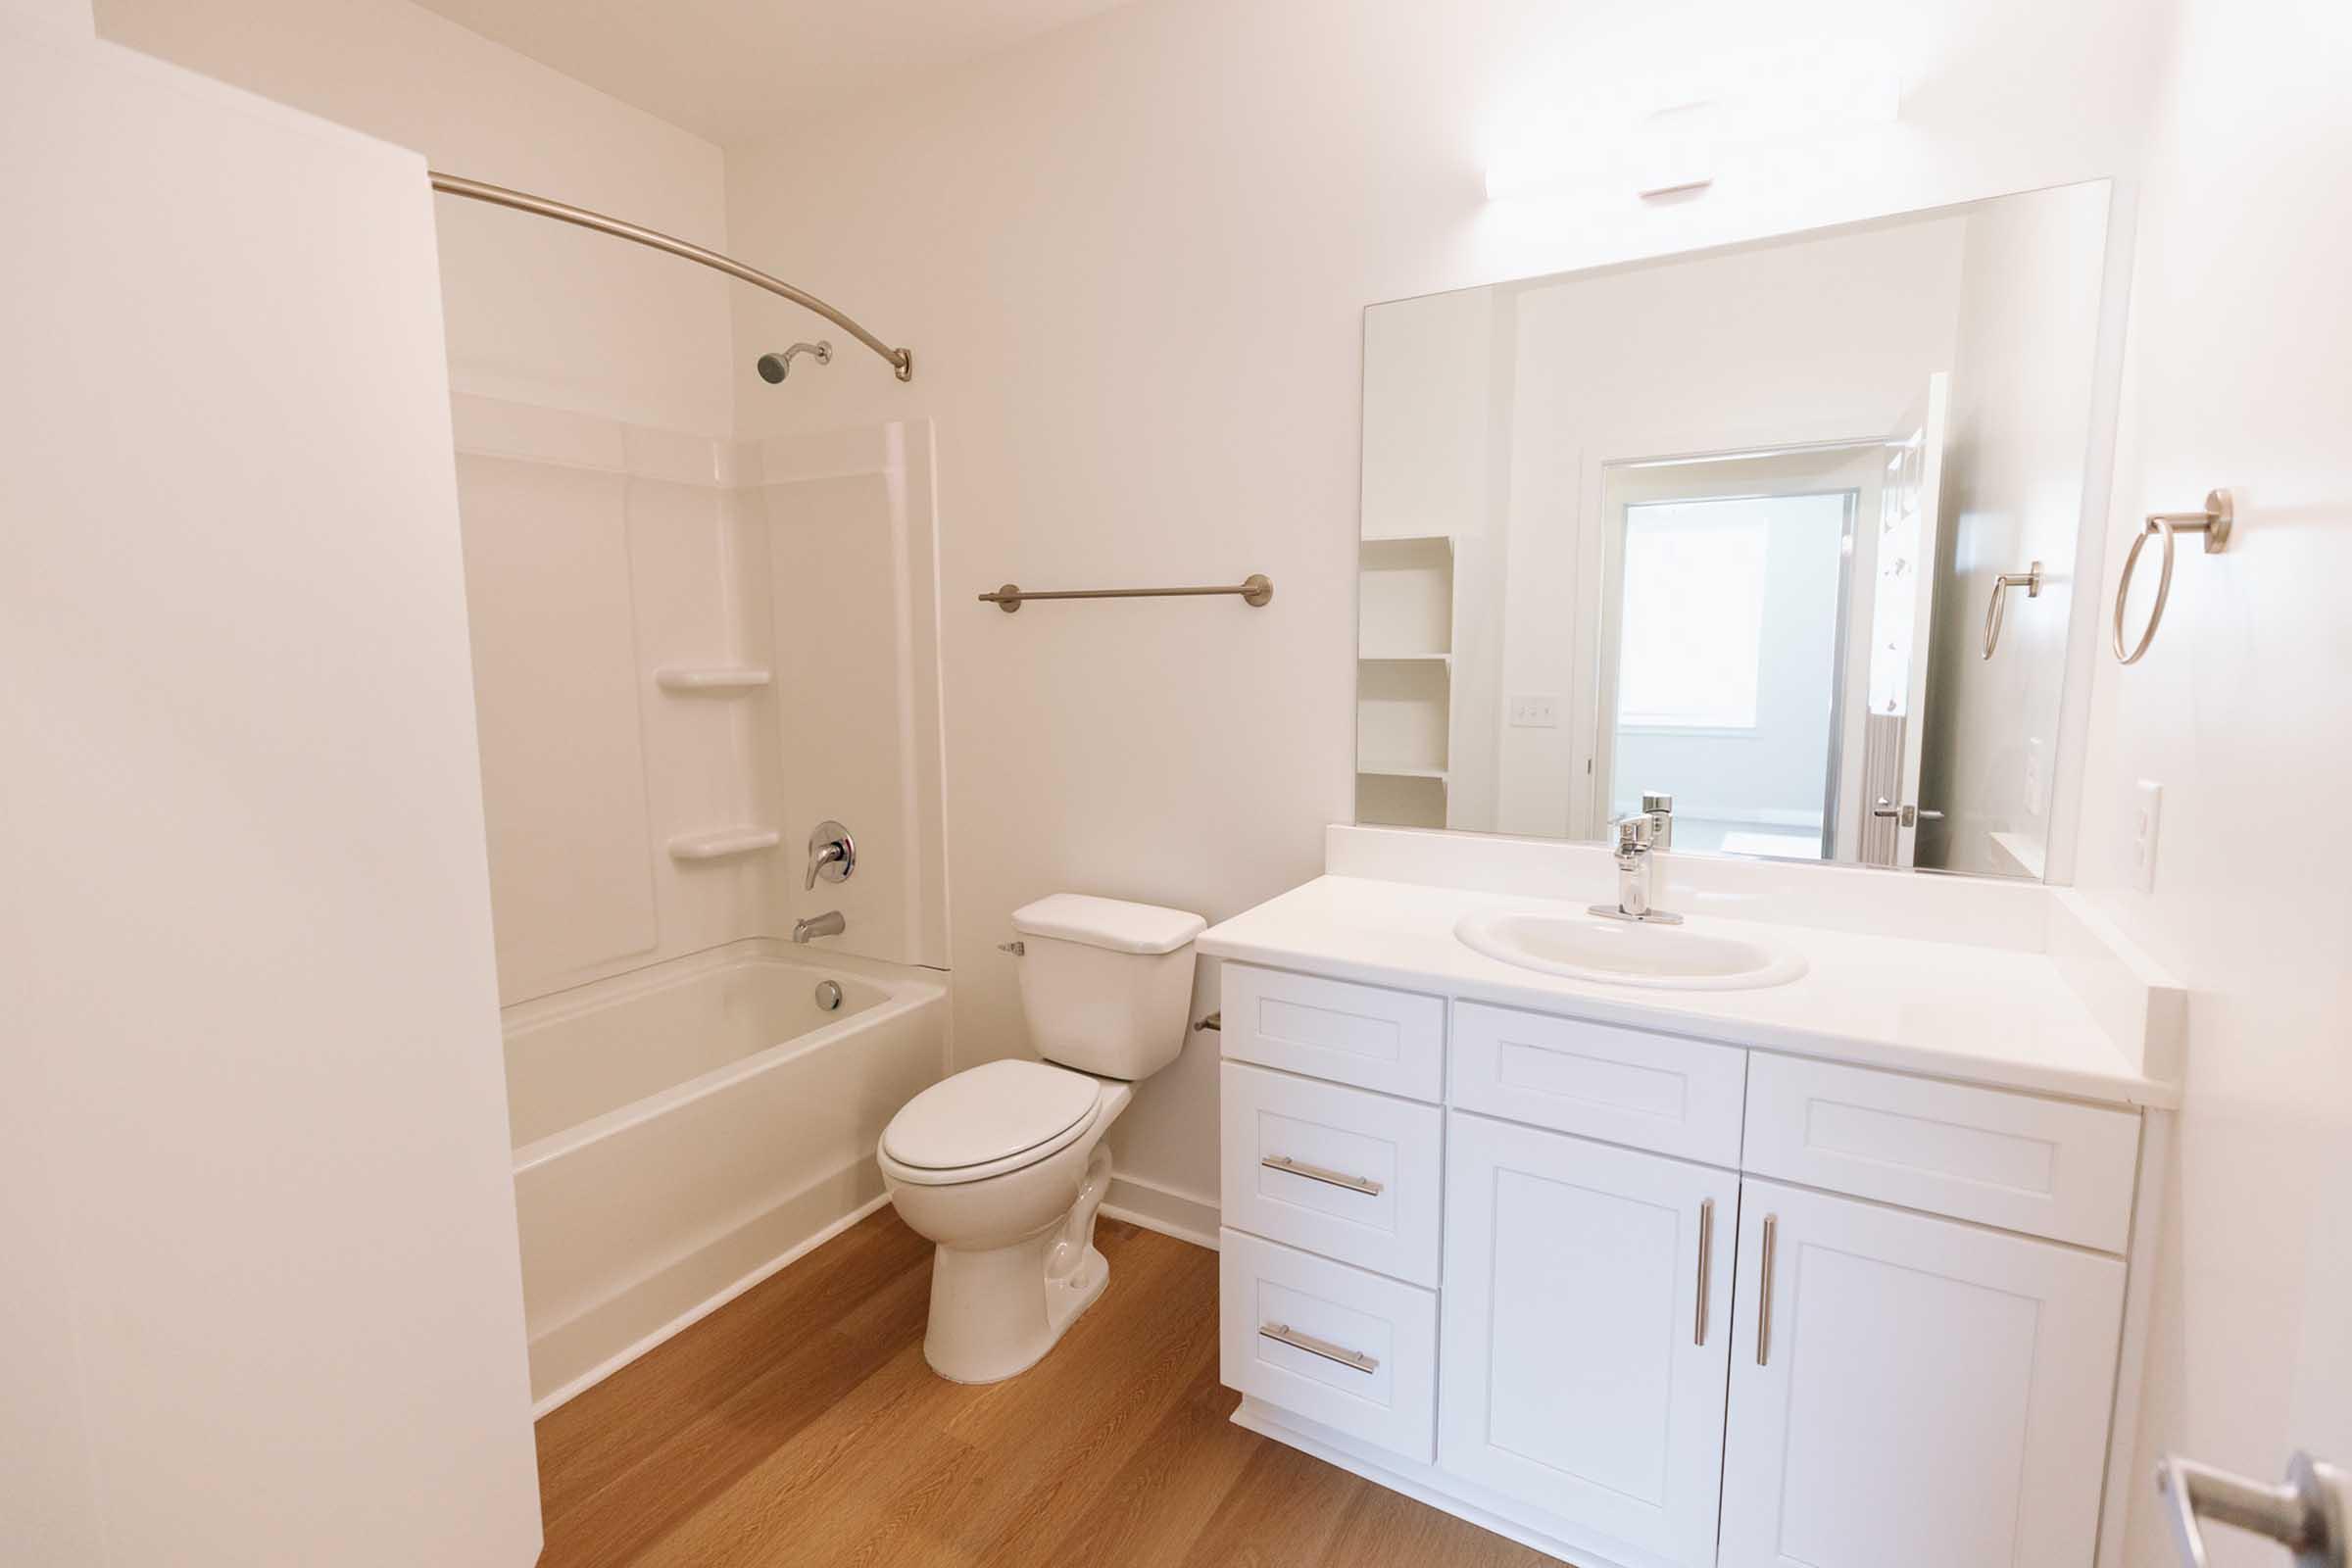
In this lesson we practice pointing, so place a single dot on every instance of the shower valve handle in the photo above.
(832, 853)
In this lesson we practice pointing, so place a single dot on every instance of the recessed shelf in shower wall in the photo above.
(724, 844)
(714, 679)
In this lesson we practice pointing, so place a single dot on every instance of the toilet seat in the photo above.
(987, 1120)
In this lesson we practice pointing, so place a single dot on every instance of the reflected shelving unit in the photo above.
(1404, 679)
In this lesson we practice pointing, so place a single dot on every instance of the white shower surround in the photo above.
(609, 566)
(687, 653)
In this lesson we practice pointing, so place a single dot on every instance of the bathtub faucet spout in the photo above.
(829, 924)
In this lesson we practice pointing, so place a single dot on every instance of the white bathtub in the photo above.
(683, 1131)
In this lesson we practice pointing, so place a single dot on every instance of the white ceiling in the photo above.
(736, 71)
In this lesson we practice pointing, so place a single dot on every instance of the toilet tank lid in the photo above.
(1111, 923)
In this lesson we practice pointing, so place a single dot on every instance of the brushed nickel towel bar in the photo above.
(900, 361)
(2214, 523)
(1255, 591)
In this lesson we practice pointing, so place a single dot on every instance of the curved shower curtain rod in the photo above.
(900, 361)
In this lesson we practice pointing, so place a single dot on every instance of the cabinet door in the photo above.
(1920, 1392)
(1583, 1359)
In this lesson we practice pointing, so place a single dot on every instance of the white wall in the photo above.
(1429, 426)
(2014, 452)
(2237, 378)
(1131, 260)
(537, 312)
(262, 1301)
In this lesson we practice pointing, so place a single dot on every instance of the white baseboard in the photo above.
(695, 1315)
(1157, 1208)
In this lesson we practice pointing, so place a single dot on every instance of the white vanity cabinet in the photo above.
(1587, 1316)
(1693, 1306)
(1908, 1390)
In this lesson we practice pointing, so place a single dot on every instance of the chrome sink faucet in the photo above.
(1637, 869)
(1660, 809)
(829, 924)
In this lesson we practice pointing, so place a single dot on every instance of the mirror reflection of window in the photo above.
(1726, 667)
(1693, 649)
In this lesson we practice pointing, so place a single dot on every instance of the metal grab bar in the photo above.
(523, 200)
(2214, 523)
(1316, 1173)
(2308, 1515)
(2030, 580)
(1255, 590)
(1356, 1360)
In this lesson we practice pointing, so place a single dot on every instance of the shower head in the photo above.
(774, 368)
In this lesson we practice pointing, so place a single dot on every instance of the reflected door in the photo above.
(1902, 609)
(1723, 645)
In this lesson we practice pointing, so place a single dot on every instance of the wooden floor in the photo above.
(800, 1425)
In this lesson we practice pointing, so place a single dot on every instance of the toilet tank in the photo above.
(1107, 985)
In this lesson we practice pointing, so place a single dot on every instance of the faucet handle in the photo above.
(832, 853)
(1633, 834)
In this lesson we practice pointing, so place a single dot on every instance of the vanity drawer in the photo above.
(1330, 1343)
(1392, 1041)
(2047, 1167)
(1350, 1174)
(1624, 1086)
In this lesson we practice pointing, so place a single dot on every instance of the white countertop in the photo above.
(1981, 1014)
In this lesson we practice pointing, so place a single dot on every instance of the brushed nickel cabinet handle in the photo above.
(1772, 1225)
(1286, 1334)
(1316, 1173)
(1706, 1258)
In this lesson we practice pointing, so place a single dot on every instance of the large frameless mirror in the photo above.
(1786, 533)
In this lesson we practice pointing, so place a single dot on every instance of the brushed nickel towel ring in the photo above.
(2030, 580)
(2214, 522)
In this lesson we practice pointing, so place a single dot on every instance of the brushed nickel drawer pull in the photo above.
(1355, 1359)
(1706, 1257)
(1772, 1225)
(1316, 1173)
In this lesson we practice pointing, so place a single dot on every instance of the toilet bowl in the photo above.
(1004, 1166)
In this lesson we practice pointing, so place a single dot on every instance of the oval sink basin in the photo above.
(1589, 947)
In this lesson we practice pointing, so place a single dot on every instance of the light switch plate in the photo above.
(2147, 811)
(1535, 712)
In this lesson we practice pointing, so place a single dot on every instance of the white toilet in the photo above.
(1004, 1164)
